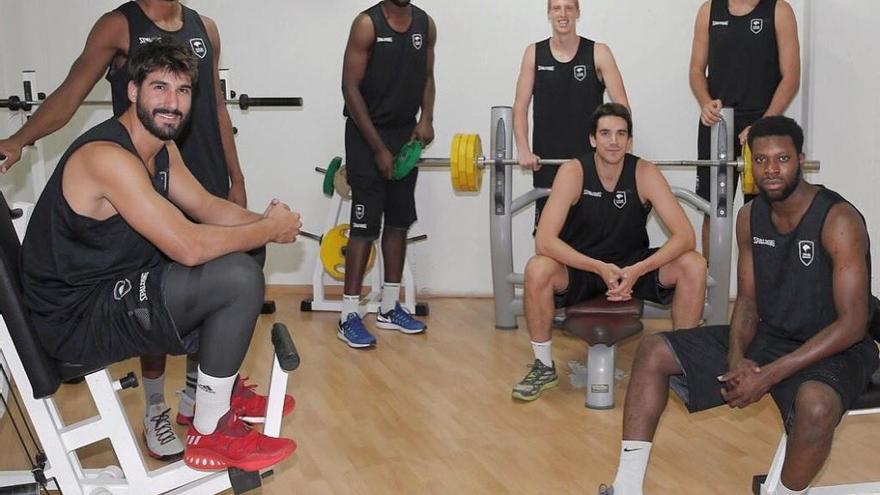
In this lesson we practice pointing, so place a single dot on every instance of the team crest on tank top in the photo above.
(620, 199)
(417, 41)
(756, 25)
(806, 252)
(580, 72)
(198, 47)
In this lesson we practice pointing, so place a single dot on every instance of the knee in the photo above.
(243, 276)
(690, 269)
(694, 266)
(653, 353)
(539, 272)
(817, 408)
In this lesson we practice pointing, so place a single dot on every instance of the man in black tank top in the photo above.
(745, 56)
(112, 268)
(592, 242)
(799, 324)
(567, 76)
(387, 79)
(207, 146)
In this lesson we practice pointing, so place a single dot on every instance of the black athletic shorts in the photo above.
(704, 152)
(588, 285)
(127, 317)
(371, 194)
(702, 354)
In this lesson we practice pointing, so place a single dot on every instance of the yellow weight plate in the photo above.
(332, 252)
(453, 162)
(748, 180)
(467, 158)
(462, 163)
(478, 171)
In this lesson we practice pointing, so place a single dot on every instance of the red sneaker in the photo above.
(234, 444)
(249, 405)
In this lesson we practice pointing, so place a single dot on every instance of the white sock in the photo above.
(154, 389)
(631, 470)
(542, 352)
(350, 304)
(782, 490)
(390, 296)
(192, 377)
(212, 401)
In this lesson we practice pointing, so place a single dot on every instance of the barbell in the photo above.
(244, 102)
(466, 162)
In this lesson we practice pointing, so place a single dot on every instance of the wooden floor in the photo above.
(432, 413)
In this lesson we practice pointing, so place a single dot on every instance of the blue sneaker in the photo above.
(354, 333)
(399, 319)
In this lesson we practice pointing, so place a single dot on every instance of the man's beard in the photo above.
(164, 132)
(786, 191)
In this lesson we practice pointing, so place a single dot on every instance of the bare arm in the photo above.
(654, 188)
(424, 130)
(744, 321)
(108, 37)
(102, 179)
(700, 57)
(566, 191)
(354, 69)
(525, 85)
(608, 72)
(845, 239)
(189, 195)
(710, 109)
(237, 192)
(789, 59)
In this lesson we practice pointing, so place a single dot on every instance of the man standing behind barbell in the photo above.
(567, 75)
(387, 77)
(745, 56)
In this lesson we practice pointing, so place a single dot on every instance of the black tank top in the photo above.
(65, 255)
(743, 67)
(608, 225)
(565, 97)
(199, 143)
(397, 71)
(793, 272)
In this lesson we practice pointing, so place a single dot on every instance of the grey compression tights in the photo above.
(221, 299)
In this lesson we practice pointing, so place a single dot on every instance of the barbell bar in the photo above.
(244, 102)
(466, 162)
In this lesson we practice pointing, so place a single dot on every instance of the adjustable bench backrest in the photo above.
(42, 370)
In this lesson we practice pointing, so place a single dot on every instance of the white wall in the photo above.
(284, 47)
(844, 110)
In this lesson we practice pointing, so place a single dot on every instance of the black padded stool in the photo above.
(602, 324)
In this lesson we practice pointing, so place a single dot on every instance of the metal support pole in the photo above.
(721, 219)
(501, 220)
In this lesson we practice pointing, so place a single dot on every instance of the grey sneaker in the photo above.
(606, 490)
(539, 378)
(162, 442)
